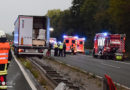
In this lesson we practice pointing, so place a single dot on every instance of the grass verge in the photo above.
(35, 72)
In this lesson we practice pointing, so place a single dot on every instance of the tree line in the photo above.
(88, 17)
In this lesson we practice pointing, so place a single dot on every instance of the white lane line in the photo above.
(110, 65)
(25, 74)
(123, 62)
(9, 86)
(98, 60)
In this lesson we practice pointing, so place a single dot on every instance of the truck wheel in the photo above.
(15, 51)
(95, 56)
(40, 57)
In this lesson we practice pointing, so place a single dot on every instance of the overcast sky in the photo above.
(10, 9)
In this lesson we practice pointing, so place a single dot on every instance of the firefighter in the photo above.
(72, 49)
(64, 49)
(55, 49)
(5, 58)
(61, 49)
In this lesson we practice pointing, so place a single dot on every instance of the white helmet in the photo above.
(2, 34)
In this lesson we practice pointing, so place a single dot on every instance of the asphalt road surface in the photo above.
(15, 78)
(118, 70)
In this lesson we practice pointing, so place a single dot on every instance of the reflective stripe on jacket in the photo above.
(4, 52)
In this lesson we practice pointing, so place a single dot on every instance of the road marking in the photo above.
(100, 77)
(24, 73)
(109, 65)
(98, 60)
(123, 62)
(9, 86)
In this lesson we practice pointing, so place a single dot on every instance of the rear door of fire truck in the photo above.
(99, 44)
(69, 40)
(74, 42)
(80, 45)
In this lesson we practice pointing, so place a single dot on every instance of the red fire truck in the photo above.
(109, 46)
(69, 40)
(80, 45)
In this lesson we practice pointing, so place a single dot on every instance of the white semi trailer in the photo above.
(31, 34)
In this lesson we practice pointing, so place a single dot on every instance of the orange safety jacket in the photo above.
(4, 52)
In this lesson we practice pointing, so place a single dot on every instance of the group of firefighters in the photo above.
(60, 49)
(5, 58)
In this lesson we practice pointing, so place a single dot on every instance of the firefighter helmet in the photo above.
(2, 34)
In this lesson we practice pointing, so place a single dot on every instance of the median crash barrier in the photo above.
(61, 86)
(108, 83)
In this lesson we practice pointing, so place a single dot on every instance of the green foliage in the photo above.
(119, 11)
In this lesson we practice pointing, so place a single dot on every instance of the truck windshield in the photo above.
(2, 67)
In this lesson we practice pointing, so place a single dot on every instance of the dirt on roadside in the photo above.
(81, 79)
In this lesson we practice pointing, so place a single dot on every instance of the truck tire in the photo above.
(15, 51)
(95, 56)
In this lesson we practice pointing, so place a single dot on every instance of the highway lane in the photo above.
(119, 71)
(16, 79)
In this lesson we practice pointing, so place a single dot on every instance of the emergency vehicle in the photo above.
(109, 46)
(69, 40)
(80, 45)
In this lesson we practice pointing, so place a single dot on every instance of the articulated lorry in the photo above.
(109, 46)
(31, 34)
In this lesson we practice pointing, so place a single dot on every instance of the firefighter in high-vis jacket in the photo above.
(5, 58)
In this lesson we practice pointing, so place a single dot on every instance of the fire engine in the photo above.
(80, 45)
(69, 40)
(109, 46)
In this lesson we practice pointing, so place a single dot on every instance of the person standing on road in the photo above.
(5, 58)
(61, 49)
(72, 49)
(49, 50)
(64, 49)
(55, 49)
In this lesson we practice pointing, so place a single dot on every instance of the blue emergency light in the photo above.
(76, 37)
(105, 34)
(59, 42)
(84, 39)
(64, 36)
